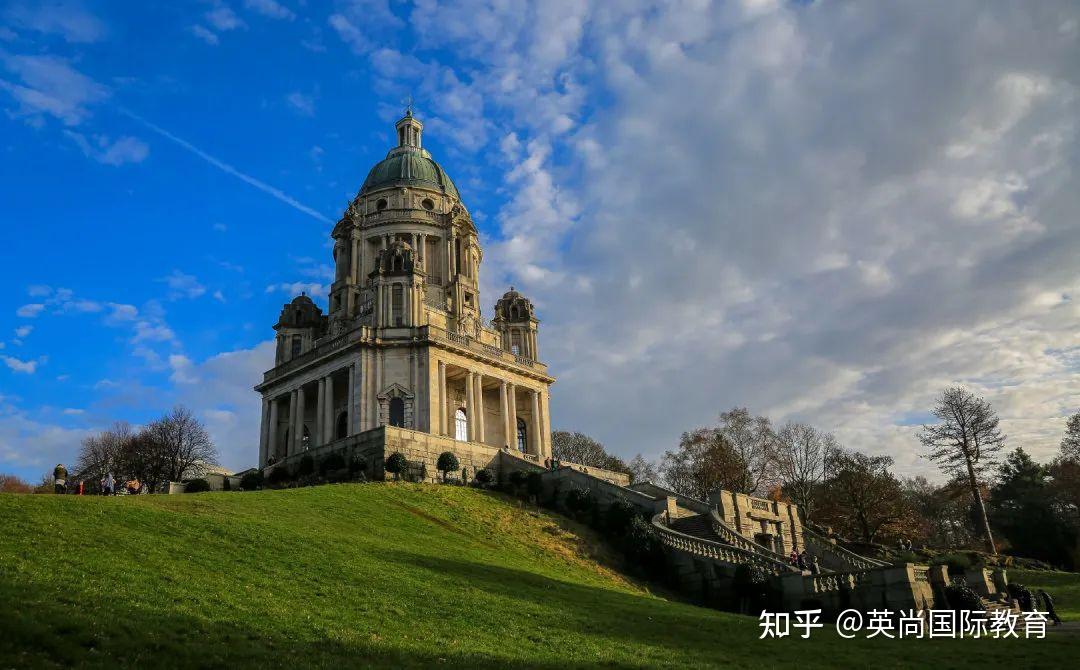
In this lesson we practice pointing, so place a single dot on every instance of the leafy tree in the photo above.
(583, 450)
(703, 462)
(484, 476)
(863, 497)
(940, 514)
(965, 442)
(1070, 443)
(447, 462)
(1021, 507)
(396, 464)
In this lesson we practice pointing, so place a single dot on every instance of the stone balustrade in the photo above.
(716, 551)
(835, 557)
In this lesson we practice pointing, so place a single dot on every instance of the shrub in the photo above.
(251, 481)
(279, 475)
(579, 501)
(643, 547)
(534, 484)
(331, 463)
(447, 462)
(1022, 595)
(961, 597)
(197, 486)
(619, 515)
(306, 466)
(396, 464)
(957, 562)
(464, 475)
(484, 476)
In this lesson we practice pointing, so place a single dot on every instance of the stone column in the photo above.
(264, 437)
(320, 412)
(504, 413)
(378, 387)
(470, 406)
(298, 420)
(511, 401)
(351, 409)
(479, 407)
(328, 411)
(537, 437)
(271, 438)
(442, 399)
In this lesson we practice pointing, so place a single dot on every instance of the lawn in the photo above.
(387, 575)
(1063, 587)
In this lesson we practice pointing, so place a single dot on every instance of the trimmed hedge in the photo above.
(396, 464)
(197, 486)
(251, 481)
(331, 463)
(447, 462)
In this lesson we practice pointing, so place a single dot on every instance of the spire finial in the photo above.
(408, 104)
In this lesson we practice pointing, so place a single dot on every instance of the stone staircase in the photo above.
(698, 525)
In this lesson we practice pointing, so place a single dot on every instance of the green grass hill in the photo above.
(385, 575)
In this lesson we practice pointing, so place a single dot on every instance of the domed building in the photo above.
(404, 360)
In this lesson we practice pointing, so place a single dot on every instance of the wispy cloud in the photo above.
(49, 86)
(30, 311)
(183, 285)
(17, 365)
(270, 9)
(116, 152)
(70, 20)
(305, 104)
(229, 169)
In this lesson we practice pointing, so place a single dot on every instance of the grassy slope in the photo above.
(1063, 587)
(377, 574)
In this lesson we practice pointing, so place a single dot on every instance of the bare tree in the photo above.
(965, 443)
(581, 449)
(1070, 443)
(182, 445)
(753, 439)
(101, 453)
(800, 462)
(643, 470)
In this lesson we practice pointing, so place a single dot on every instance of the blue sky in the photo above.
(821, 211)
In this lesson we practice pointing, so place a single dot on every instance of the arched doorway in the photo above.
(461, 425)
(397, 412)
(522, 435)
(342, 428)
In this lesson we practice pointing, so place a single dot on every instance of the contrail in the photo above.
(225, 167)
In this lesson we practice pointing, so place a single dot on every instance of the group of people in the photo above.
(804, 561)
(905, 545)
(107, 485)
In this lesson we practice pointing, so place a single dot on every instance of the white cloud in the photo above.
(204, 34)
(313, 289)
(38, 290)
(23, 331)
(50, 87)
(30, 311)
(116, 152)
(70, 20)
(17, 365)
(270, 8)
(182, 370)
(304, 104)
(223, 19)
(183, 285)
(73, 411)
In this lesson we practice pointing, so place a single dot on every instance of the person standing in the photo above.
(1048, 603)
(60, 475)
(108, 485)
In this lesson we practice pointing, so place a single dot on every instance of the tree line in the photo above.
(987, 501)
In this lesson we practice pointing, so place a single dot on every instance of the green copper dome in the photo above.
(409, 166)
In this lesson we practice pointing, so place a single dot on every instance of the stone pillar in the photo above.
(320, 412)
(264, 437)
(351, 409)
(441, 395)
(470, 406)
(271, 437)
(504, 413)
(538, 439)
(479, 407)
(328, 411)
(511, 401)
(298, 430)
(376, 418)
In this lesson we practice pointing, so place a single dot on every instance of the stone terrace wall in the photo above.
(620, 478)
(422, 451)
(557, 483)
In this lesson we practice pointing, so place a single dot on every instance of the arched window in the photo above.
(397, 412)
(461, 426)
(342, 429)
(381, 204)
(522, 435)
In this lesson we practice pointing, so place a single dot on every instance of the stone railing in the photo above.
(835, 581)
(403, 215)
(731, 536)
(322, 348)
(715, 551)
(836, 554)
(443, 335)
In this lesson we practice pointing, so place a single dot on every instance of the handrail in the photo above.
(824, 546)
(729, 534)
(715, 550)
